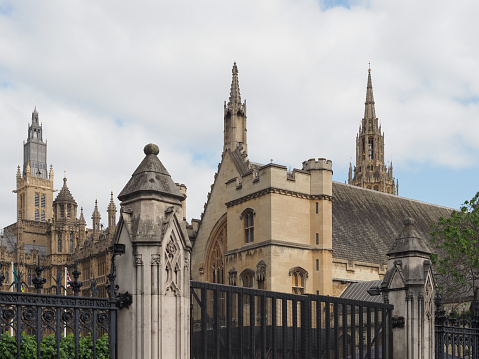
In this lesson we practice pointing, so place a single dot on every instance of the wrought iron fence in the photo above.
(457, 334)
(235, 322)
(40, 315)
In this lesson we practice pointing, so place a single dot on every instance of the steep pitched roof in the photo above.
(366, 222)
(151, 176)
(65, 195)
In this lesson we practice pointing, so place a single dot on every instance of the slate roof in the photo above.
(366, 222)
(359, 291)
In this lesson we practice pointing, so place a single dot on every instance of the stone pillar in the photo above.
(155, 266)
(409, 286)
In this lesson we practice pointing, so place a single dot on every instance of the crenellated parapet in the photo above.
(318, 164)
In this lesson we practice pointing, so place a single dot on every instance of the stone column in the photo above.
(155, 266)
(409, 286)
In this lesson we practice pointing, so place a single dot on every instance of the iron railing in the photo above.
(457, 334)
(235, 322)
(41, 315)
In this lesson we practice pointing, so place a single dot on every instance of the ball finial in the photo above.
(151, 149)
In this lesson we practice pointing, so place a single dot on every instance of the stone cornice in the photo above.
(270, 242)
(280, 191)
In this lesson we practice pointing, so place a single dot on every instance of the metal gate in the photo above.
(457, 334)
(236, 322)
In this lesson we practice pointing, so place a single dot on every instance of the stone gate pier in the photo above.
(409, 286)
(155, 266)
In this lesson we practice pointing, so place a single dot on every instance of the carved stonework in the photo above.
(138, 260)
(428, 298)
(155, 259)
(172, 267)
(232, 274)
(171, 248)
(261, 271)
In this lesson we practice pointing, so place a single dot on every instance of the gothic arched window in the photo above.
(37, 200)
(215, 263)
(43, 216)
(248, 218)
(43, 201)
(247, 278)
(71, 243)
(298, 277)
(59, 243)
(37, 215)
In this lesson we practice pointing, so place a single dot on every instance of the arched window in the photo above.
(43, 216)
(370, 148)
(62, 211)
(376, 188)
(215, 263)
(248, 218)
(298, 277)
(247, 278)
(59, 243)
(43, 201)
(71, 243)
(37, 215)
(69, 211)
(37, 200)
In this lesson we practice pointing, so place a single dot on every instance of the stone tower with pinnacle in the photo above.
(234, 117)
(370, 171)
(35, 182)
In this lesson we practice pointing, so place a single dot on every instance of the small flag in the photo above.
(68, 280)
(15, 275)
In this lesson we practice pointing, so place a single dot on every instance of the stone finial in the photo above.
(151, 149)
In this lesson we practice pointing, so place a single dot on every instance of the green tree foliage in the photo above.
(455, 241)
(48, 347)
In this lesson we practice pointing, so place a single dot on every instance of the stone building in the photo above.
(51, 229)
(370, 171)
(299, 231)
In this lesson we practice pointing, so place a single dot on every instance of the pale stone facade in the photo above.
(298, 231)
(264, 226)
(370, 171)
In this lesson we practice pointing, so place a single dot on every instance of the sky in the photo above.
(108, 77)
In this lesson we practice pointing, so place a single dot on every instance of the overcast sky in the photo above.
(108, 77)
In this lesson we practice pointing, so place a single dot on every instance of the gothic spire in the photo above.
(235, 96)
(369, 111)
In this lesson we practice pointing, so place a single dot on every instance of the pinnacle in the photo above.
(235, 96)
(369, 111)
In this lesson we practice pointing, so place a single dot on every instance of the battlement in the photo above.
(319, 164)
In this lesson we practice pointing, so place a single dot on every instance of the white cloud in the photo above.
(110, 77)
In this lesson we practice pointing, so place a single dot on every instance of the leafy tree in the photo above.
(455, 241)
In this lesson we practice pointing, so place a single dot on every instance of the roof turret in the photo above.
(64, 195)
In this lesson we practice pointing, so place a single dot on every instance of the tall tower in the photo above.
(234, 117)
(64, 232)
(370, 170)
(35, 183)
